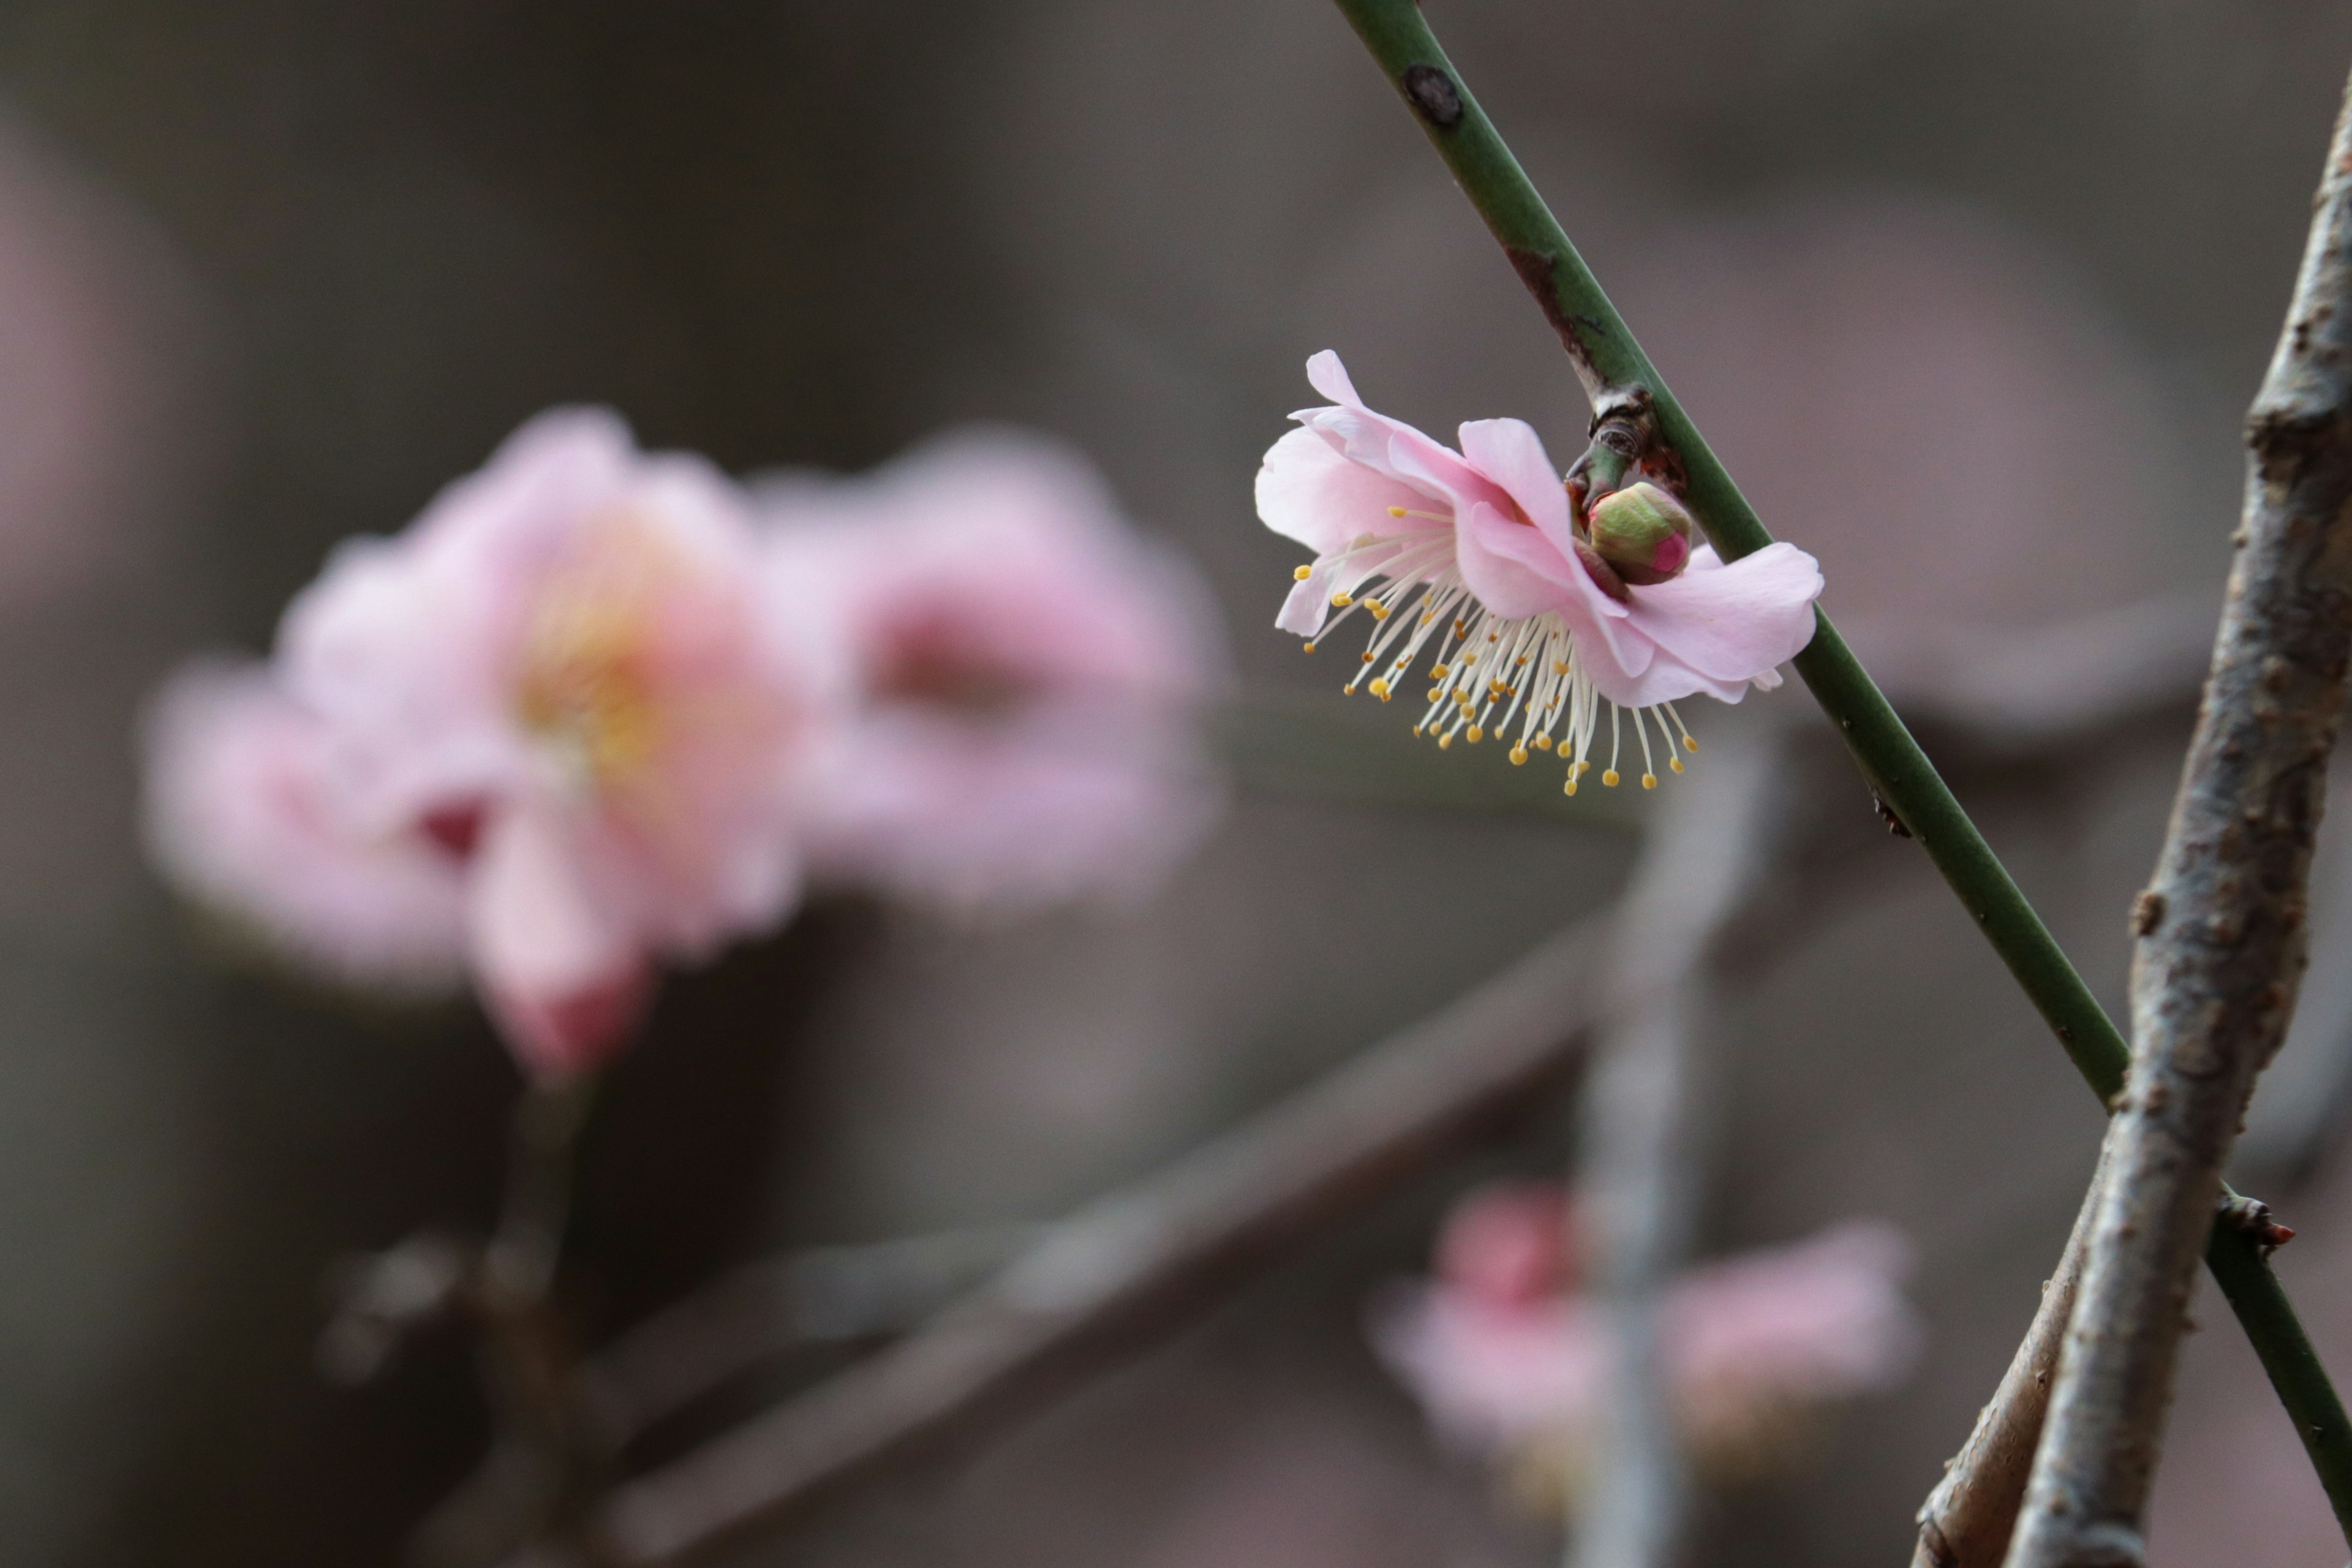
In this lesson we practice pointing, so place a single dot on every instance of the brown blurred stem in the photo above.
(550, 1454)
(1642, 1125)
(2221, 942)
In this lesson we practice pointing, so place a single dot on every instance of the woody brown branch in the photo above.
(2220, 932)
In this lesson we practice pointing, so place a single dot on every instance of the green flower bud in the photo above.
(1643, 532)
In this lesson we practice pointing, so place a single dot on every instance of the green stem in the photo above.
(1610, 362)
(2260, 1302)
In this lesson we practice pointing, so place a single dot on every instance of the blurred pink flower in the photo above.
(563, 680)
(241, 810)
(1751, 1343)
(1479, 549)
(1020, 673)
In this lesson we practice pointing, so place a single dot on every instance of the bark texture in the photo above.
(2221, 928)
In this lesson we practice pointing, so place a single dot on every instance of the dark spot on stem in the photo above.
(1536, 270)
(1434, 96)
(1895, 823)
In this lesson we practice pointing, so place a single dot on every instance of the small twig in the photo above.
(1967, 1520)
(2221, 928)
(550, 1453)
(1638, 1165)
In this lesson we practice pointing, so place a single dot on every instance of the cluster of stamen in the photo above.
(1522, 679)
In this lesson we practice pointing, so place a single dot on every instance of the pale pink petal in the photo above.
(1307, 492)
(1509, 453)
(241, 811)
(1514, 570)
(1733, 621)
(1326, 375)
(563, 978)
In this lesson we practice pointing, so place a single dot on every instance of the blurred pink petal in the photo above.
(1510, 1243)
(565, 676)
(1472, 556)
(564, 976)
(241, 811)
(1748, 1340)
(1021, 670)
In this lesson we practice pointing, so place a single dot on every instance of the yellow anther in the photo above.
(1609, 779)
(1689, 744)
(1302, 573)
(1379, 611)
(1438, 673)
(1437, 694)
(1559, 667)
(1519, 756)
(1584, 767)
(1543, 742)
(1380, 689)
(1368, 656)
(1476, 735)
(1675, 764)
(1649, 781)
(1398, 511)
(1571, 786)
(1310, 647)
(1443, 742)
(1341, 600)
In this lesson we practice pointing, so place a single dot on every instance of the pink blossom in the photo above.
(564, 676)
(1020, 674)
(1478, 549)
(1748, 1341)
(242, 811)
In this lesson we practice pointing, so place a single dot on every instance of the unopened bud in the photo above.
(1644, 532)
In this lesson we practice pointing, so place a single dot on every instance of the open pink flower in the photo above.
(564, 674)
(1020, 674)
(1748, 1341)
(242, 810)
(1474, 553)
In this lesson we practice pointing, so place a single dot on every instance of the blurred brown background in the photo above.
(1970, 296)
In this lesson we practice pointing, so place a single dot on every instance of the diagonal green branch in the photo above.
(1616, 373)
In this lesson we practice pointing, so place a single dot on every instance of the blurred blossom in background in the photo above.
(1506, 1352)
(1974, 325)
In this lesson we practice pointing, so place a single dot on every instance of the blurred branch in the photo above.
(1134, 1258)
(1638, 1170)
(827, 1294)
(2221, 938)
